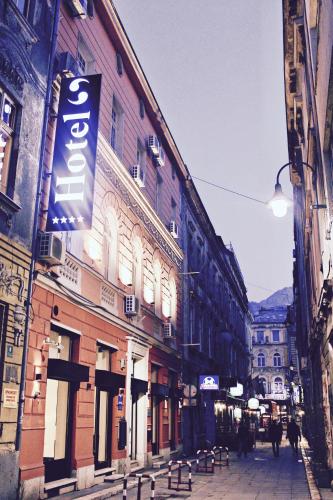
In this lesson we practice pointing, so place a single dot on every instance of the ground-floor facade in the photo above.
(98, 397)
(14, 273)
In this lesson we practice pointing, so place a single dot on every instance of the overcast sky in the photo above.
(216, 69)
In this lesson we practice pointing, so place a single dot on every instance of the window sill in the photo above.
(8, 207)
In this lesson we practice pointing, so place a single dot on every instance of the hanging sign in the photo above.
(73, 172)
(209, 382)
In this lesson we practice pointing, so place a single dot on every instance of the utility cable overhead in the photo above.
(229, 190)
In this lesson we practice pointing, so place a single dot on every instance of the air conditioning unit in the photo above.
(51, 249)
(153, 145)
(168, 331)
(131, 305)
(173, 228)
(78, 8)
(138, 175)
(160, 159)
(67, 64)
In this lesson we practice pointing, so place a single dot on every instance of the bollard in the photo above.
(219, 450)
(180, 464)
(151, 477)
(205, 468)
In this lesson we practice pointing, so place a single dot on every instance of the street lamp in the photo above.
(280, 202)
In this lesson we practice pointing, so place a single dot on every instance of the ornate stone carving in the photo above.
(11, 284)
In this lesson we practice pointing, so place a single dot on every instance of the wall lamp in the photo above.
(280, 202)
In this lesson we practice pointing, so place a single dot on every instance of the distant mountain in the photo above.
(283, 297)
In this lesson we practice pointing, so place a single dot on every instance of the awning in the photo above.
(59, 369)
(139, 386)
(109, 381)
(160, 390)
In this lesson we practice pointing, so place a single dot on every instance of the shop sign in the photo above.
(10, 398)
(237, 391)
(209, 382)
(73, 171)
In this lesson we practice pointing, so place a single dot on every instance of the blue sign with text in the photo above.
(73, 172)
(209, 382)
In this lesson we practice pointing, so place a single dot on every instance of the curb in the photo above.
(313, 488)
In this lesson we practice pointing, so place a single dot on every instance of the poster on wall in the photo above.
(10, 398)
(73, 170)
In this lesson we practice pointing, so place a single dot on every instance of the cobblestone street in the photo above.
(260, 476)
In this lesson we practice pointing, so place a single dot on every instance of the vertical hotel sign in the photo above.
(73, 172)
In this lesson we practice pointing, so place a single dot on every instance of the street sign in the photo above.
(209, 382)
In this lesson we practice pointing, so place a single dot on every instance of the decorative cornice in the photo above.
(130, 193)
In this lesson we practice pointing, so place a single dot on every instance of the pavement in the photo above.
(260, 476)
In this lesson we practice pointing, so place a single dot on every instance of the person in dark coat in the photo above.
(293, 434)
(275, 435)
(243, 438)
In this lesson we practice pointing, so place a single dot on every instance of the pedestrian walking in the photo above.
(275, 435)
(293, 434)
(243, 439)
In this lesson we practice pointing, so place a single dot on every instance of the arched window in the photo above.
(137, 267)
(157, 286)
(111, 246)
(173, 298)
(263, 384)
(261, 359)
(277, 359)
(278, 385)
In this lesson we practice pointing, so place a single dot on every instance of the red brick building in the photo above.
(102, 386)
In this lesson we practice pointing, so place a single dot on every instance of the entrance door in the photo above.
(58, 414)
(57, 439)
(155, 424)
(134, 427)
(103, 419)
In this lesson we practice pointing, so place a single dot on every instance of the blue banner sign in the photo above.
(209, 382)
(73, 172)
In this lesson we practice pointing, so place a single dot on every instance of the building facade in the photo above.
(103, 387)
(216, 319)
(25, 33)
(119, 326)
(308, 37)
(270, 354)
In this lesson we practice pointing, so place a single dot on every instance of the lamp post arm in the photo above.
(290, 163)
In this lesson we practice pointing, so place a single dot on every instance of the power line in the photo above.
(229, 190)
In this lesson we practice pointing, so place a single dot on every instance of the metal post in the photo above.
(152, 496)
(169, 475)
(189, 475)
(139, 489)
(179, 474)
(125, 488)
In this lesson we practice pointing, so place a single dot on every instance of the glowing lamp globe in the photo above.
(279, 203)
(238, 413)
(237, 391)
(253, 403)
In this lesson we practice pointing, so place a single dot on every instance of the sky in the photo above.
(216, 70)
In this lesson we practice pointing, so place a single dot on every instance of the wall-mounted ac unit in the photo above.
(67, 64)
(153, 145)
(51, 249)
(138, 175)
(131, 305)
(168, 331)
(78, 8)
(173, 228)
(160, 159)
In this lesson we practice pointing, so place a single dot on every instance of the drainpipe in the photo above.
(47, 104)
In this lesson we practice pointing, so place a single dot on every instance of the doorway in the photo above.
(58, 413)
(155, 414)
(103, 428)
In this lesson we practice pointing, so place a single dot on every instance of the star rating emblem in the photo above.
(71, 219)
(55, 220)
(63, 220)
(80, 218)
